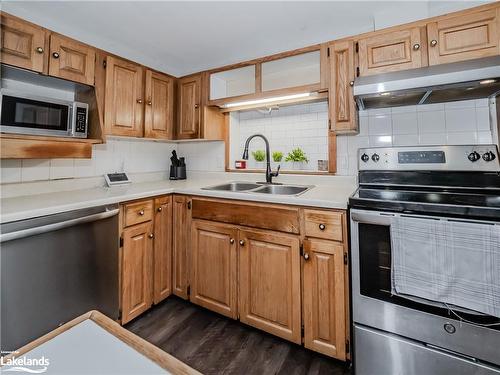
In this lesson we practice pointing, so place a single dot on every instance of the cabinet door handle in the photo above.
(55, 55)
(231, 241)
(141, 212)
(416, 47)
(39, 49)
(306, 256)
(351, 83)
(242, 243)
(322, 227)
(196, 106)
(139, 101)
(151, 235)
(434, 43)
(159, 209)
(150, 102)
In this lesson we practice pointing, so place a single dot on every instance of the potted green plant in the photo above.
(259, 156)
(298, 158)
(277, 156)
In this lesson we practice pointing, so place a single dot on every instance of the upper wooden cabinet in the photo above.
(159, 111)
(396, 50)
(124, 99)
(71, 60)
(342, 107)
(269, 294)
(232, 82)
(23, 44)
(214, 267)
(324, 299)
(162, 252)
(469, 36)
(189, 107)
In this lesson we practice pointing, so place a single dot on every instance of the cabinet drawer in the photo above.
(323, 224)
(137, 212)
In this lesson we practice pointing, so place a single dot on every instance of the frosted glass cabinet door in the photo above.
(234, 82)
(293, 71)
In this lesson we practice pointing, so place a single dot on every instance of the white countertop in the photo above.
(328, 192)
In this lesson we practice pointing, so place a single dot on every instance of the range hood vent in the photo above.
(473, 79)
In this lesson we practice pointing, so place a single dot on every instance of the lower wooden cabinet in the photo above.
(162, 285)
(137, 267)
(181, 237)
(324, 299)
(214, 265)
(269, 282)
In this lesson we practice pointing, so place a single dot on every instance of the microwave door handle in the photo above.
(72, 128)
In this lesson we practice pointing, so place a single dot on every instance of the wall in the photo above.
(304, 126)
(454, 123)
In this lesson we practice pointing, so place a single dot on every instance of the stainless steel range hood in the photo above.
(471, 79)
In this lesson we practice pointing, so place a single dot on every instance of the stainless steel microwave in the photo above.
(22, 113)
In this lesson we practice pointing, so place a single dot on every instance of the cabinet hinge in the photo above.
(328, 52)
(329, 124)
(345, 258)
(347, 346)
(357, 71)
(104, 64)
(121, 241)
(356, 47)
(188, 290)
(189, 205)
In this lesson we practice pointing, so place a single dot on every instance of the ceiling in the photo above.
(182, 37)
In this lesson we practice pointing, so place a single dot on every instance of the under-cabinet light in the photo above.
(268, 100)
(486, 81)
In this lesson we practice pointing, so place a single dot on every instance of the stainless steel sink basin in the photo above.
(282, 189)
(260, 188)
(234, 186)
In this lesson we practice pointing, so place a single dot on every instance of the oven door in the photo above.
(375, 306)
(22, 114)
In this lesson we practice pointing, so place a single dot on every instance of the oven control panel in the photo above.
(453, 158)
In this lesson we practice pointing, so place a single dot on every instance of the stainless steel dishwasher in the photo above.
(54, 268)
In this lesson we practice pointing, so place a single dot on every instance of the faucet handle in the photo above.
(276, 174)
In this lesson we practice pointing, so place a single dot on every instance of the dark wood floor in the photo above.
(213, 344)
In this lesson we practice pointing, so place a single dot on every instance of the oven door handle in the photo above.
(371, 217)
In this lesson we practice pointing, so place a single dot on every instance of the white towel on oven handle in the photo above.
(452, 262)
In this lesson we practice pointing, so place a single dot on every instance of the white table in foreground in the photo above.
(93, 344)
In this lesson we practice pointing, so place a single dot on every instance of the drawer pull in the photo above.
(322, 227)
(141, 212)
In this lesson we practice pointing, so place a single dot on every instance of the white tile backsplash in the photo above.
(304, 126)
(454, 123)
(118, 154)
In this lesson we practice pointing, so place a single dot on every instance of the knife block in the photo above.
(178, 173)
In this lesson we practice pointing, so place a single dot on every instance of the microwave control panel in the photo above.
(81, 122)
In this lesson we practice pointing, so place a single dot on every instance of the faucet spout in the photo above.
(269, 173)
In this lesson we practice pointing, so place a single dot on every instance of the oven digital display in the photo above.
(421, 157)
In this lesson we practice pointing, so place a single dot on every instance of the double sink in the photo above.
(260, 188)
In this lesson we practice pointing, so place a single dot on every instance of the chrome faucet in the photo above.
(269, 173)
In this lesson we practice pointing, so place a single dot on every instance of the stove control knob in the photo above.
(488, 156)
(474, 156)
(365, 157)
(375, 157)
